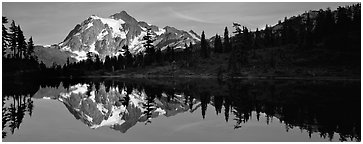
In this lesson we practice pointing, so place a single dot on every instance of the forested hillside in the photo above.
(323, 43)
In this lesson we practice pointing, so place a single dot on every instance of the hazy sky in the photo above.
(50, 23)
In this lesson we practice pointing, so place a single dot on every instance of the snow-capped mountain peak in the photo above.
(115, 25)
(106, 106)
(107, 36)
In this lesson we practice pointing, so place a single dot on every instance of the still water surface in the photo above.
(180, 110)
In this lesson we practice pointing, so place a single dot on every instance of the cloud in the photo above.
(188, 17)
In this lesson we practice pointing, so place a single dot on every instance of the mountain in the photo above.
(114, 107)
(107, 36)
(50, 55)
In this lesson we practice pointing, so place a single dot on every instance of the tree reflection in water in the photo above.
(324, 107)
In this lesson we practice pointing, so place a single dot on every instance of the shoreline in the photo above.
(325, 78)
(225, 76)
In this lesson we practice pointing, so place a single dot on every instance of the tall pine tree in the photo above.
(22, 46)
(159, 57)
(204, 47)
(128, 56)
(13, 38)
(5, 36)
(150, 51)
(218, 47)
(236, 59)
(187, 54)
(30, 49)
(226, 43)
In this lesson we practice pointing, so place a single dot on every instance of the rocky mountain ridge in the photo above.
(107, 36)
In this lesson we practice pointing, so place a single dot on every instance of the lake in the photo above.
(178, 110)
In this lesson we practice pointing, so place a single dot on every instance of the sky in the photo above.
(50, 22)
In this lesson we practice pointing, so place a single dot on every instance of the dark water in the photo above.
(180, 110)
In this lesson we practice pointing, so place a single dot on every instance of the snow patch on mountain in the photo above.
(160, 111)
(93, 96)
(65, 48)
(110, 34)
(90, 119)
(116, 26)
(119, 53)
(93, 48)
(79, 88)
(89, 25)
(194, 36)
(144, 29)
(80, 55)
(101, 108)
(137, 99)
(136, 43)
(102, 34)
(65, 95)
(160, 32)
(115, 117)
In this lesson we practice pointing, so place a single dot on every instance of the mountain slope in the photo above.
(113, 107)
(107, 36)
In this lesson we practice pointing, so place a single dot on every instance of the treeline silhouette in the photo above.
(17, 54)
(316, 38)
(317, 107)
(312, 33)
(125, 62)
(120, 63)
(16, 102)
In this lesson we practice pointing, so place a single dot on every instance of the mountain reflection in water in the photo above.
(323, 107)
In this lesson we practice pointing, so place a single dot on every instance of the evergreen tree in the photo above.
(204, 99)
(98, 63)
(308, 30)
(319, 27)
(30, 49)
(342, 28)
(5, 36)
(139, 60)
(257, 40)
(283, 31)
(170, 53)
(187, 50)
(357, 17)
(247, 39)
(204, 47)
(13, 38)
(128, 56)
(215, 44)
(227, 105)
(68, 62)
(108, 64)
(150, 51)
(218, 47)
(268, 36)
(356, 29)
(329, 26)
(120, 62)
(226, 43)
(159, 56)
(22, 46)
(236, 59)
(89, 56)
(114, 63)
(149, 106)
(187, 54)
